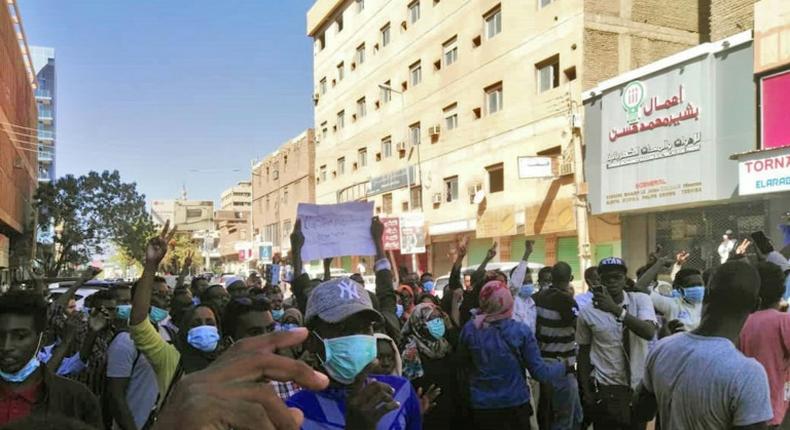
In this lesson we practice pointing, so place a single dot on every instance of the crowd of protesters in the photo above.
(674, 347)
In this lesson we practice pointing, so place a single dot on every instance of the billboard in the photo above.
(412, 233)
(664, 138)
(775, 92)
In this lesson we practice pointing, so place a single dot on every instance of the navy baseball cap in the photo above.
(337, 299)
(612, 264)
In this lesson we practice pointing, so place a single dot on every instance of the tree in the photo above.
(180, 247)
(86, 212)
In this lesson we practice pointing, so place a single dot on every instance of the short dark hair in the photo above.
(772, 282)
(685, 273)
(237, 309)
(237, 284)
(544, 271)
(99, 295)
(734, 289)
(426, 275)
(24, 302)
(561, 272)
(159, 279)
(195, 280)
(120, 287)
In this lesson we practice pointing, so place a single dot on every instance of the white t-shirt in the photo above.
(676, 308)
(361, 269)
(703, 382)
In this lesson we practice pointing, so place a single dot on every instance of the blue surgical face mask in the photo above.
(347, 356)
(526, 290)
(676, 294)
(203, 338)
(694, 294)
(278, 314)
(195, 301)
(428, 286)
(436, 328)
(157, 315)
(22, 374)
(123, 311)
(399, 310)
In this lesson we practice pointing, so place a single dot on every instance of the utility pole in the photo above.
(580, 194)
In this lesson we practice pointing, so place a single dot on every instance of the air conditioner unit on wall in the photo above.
(436, 198)
(401, 146)
(435, 130)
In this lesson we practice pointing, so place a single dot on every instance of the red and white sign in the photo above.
(391, 236)
(764, 172)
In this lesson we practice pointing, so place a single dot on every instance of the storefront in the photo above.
(659, 141)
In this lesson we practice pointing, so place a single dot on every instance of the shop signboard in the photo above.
(775, 125)
(392, 181)
(412, 233)
(535, 167)
(664, 138)
(764, 172)
(265, 252)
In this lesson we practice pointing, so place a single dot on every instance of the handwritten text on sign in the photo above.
(336, 230)
(391, 237)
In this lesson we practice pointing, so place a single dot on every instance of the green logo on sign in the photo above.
(633, 98)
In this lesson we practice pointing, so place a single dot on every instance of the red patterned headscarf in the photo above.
(496, 303)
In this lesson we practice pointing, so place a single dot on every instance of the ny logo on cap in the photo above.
(348, 290)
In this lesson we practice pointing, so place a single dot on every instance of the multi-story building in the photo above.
(237, 197)
(235, 234)
(18, 146)
(46, 95)
(280, 182)
(441, 107)
(185, 215)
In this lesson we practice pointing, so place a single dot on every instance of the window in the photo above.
(493, 22)
(414, 134)
(341, 165)
(362, 109)
(339, 22)
(385, 35)
(386, 203)
(324, 130)
(544, 3)
(450, 49)
(286, 229)
(548, 73)
(285, 194)
(360, 5)
(494, 98)
(415, 195)
(360, 54)
(451, 117)
(340, 71)
(414, 11)
(341, 119)
(386, 92)
(321, 42)
(386, 147)
(451, 189)
(362, 157)
(194, 213)
(321, 173)
(322, 86)
(496, 178)
(415, 73)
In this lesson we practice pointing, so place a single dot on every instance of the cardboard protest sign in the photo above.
(336, 230)
(391, 237)
(412, 233)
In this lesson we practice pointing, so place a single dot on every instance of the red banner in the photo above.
(391, 236)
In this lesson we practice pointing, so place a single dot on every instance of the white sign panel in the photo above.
(412, 233)
(534, 167)
(336, 230)
(764, 172)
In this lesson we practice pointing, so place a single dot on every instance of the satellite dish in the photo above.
(479, 196)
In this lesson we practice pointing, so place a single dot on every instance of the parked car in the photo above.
(83, 292)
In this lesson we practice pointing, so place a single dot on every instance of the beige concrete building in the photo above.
(427, 106)
(237, 197)
(235, 239)
(280, 182)
(185, 215)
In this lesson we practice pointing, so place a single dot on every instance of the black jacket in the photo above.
(68, 398)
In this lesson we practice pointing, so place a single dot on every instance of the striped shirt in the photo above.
(556, 323)
(326, 410)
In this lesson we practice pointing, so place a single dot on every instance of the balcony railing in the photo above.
(45, 154)
(46, 134)
(45, 113)
(42, 93)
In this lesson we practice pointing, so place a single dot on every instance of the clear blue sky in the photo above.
(157, 88)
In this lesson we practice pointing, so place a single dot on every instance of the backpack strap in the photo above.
(158, 405)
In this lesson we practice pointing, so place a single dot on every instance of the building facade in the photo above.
(469, 113)
(234, 230)
(184, 215)
(280, 182)
(18, 147)
(660, 140)
(46, 96)
(237, 197)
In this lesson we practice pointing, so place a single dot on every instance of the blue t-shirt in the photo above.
(125, 361)
(327, 409)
